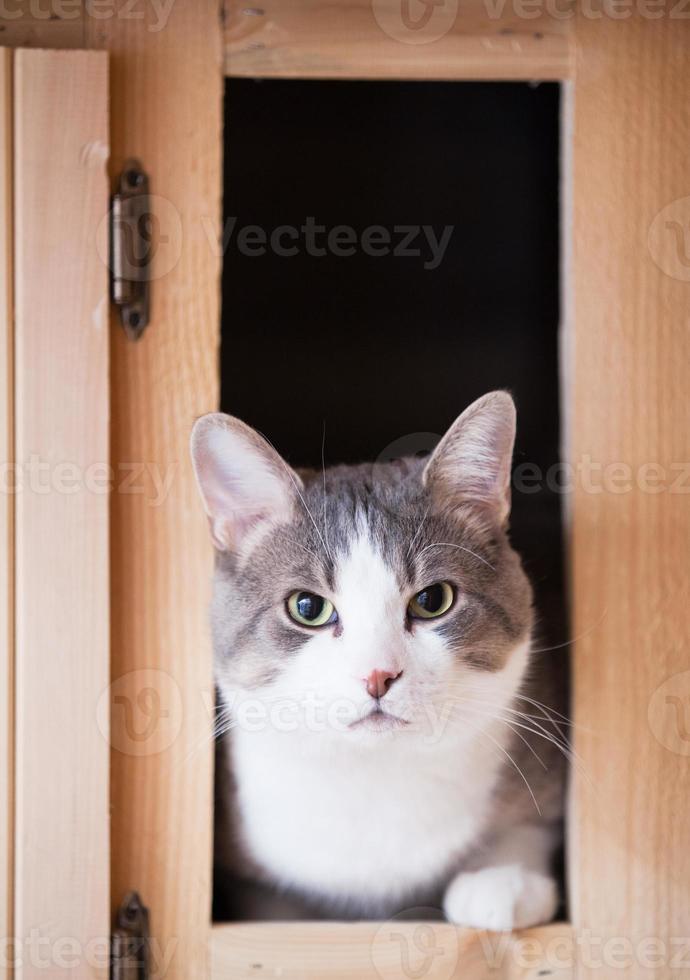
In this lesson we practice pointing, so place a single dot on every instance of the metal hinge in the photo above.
(129, 948)
(130, 249)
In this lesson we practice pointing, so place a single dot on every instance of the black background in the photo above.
(378, 346)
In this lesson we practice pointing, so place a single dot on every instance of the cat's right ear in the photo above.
(243, 482)
(471, 464)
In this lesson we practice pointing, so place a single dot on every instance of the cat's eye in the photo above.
(309, 609)
(432, 601)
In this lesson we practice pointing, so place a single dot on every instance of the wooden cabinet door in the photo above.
(54, 777)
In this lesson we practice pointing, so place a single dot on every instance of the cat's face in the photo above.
(372, 601)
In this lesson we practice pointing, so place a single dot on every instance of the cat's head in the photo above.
(371, 600)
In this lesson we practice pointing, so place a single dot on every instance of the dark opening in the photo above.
(374, 347)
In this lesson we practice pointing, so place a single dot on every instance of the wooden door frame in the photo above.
(6, 507)
(625, 386)
(54, 582)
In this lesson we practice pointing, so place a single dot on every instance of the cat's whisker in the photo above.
(533, 720)
(563, 746)
(545, 711)
(526, 743)
(540, 732)
(325, 497)
(567, 643)
(202, 742)
(541, 716)
(305, 549)
(311, 517)
(301, 497)
(510, 726)
(506, 753)
(417, 532)
(563, 719)
(459, 547)
(465, 693)
(513, 763)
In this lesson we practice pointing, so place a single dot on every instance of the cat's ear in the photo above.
(472, 463)
(243, 481)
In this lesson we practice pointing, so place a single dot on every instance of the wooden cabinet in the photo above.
(77, 578)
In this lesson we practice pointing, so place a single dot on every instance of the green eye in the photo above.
(309, 609)
(433, 601)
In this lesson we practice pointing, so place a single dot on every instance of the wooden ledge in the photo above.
(387, 951)
(391, 39)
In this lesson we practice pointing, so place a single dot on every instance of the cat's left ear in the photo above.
(472, 463)
(244, 484)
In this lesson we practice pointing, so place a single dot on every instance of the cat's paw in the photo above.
(507, 897)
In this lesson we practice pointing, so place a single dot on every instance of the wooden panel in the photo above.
(6, 510)
(388, 951)
(392, 39)
(54, 23)
(166, 109)
(629, 840)
(61, 195)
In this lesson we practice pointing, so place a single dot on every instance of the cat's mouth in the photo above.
(378, 720)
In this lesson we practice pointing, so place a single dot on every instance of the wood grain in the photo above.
(472, 39)
(61, 196)
(629, 859)
(166, 109)
(32, 24)
(388, 951)
(6, 510)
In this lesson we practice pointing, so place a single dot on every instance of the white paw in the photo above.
(508, 897)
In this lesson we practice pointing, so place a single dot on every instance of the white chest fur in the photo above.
(371, 827)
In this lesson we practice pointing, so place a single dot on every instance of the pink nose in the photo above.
(379, 682)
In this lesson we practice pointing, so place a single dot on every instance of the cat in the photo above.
(389, 739)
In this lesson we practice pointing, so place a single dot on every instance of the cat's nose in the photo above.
(379, 682)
